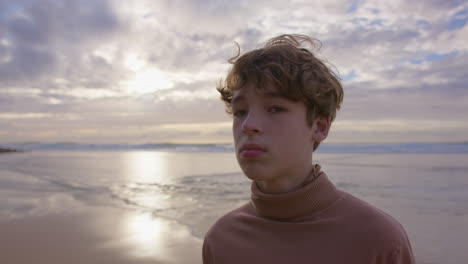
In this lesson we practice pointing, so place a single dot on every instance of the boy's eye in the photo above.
(239, 113)
(276, 109)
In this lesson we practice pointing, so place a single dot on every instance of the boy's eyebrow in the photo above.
(273, 95)
(240, 98)
(237, 99)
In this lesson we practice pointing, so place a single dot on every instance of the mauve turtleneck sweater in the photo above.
(316, 223)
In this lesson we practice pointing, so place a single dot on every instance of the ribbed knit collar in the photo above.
(315, 194)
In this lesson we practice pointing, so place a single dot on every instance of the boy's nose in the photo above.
(251, 124)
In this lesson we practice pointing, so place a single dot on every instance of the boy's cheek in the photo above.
(237, 134)
(236, 126)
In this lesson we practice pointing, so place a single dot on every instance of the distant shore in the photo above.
(371, 148)
(7, 150)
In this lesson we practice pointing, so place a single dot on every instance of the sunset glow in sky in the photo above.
(145, 71)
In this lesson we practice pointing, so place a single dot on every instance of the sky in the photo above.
(92, 71)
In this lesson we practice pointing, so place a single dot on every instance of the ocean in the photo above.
(424, 186)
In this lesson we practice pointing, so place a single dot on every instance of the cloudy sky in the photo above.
(145, 71)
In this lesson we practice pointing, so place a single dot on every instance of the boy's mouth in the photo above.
(251, 150)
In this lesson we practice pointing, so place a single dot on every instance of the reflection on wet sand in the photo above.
(159, 238)
(97, 235)
(149, 235)
(145, 233)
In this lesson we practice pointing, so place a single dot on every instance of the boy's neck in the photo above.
(288, 183)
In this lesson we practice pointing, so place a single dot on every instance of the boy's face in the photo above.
(273, 141)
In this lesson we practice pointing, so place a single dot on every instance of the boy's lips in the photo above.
(251, 150)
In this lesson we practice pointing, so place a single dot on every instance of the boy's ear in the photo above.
(320, 128)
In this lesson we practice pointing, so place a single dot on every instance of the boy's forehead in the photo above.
(242, 94)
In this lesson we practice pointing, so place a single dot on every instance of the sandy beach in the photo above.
(100, 235)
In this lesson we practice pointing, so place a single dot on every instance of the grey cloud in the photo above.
(184, 53)
(117, 120)
(448, 75)
(27, 64)
(46, 38)
(384, 52)
(368, 104)
(17, 103)
(192, 88)
(213, 27)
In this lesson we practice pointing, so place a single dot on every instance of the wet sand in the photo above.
(97, 235)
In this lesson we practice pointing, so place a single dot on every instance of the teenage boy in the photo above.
(283, 99)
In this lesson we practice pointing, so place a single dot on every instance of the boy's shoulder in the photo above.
(367, 221)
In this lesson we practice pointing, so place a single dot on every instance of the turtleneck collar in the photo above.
(316, 193)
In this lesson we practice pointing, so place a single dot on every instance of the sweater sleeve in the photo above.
(206, 253)
(400, 255)
(403, 255)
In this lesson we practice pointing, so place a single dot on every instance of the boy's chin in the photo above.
(256, 174)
